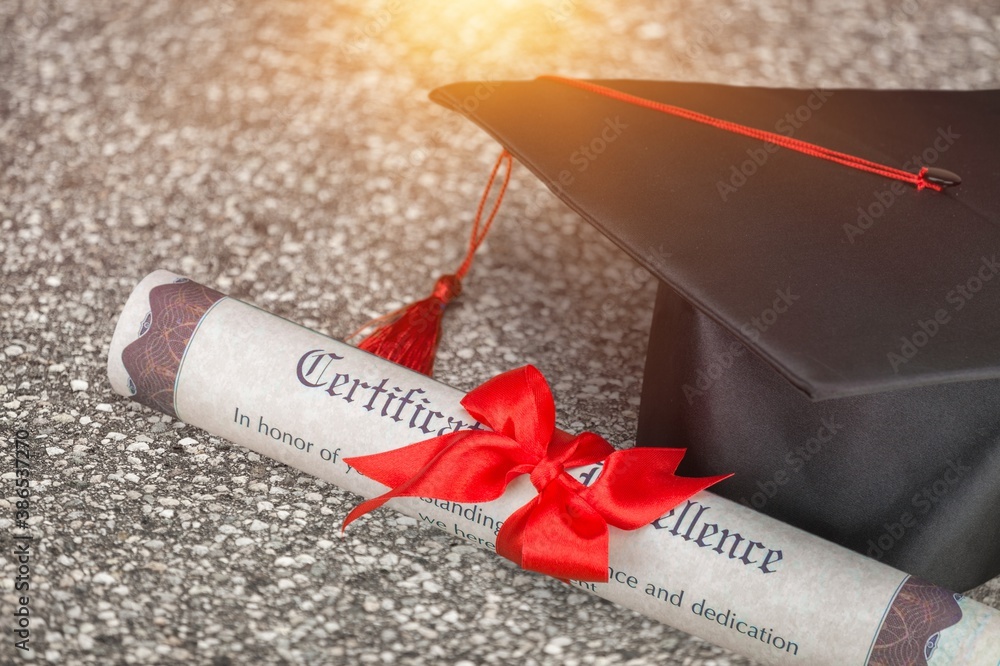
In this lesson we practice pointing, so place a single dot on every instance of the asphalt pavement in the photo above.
(285, 152)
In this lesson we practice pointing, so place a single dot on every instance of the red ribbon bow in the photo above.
(563, 531)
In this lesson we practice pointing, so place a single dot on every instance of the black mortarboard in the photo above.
(829, 334)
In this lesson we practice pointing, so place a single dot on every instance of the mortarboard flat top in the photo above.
(848, 283)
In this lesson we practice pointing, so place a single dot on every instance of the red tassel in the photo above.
(409, 336)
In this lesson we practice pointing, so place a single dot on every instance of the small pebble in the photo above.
(556, 645)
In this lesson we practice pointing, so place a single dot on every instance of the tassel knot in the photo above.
(447, 288)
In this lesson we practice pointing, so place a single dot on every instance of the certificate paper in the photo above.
(710, 567)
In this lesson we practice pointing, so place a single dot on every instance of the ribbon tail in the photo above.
(471, 466)
(423, 482)
(392, 468)
(409, 488)
(510, 539)
(366, 507)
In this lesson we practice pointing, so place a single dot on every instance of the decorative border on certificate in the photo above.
(912, 625)
(153, 360)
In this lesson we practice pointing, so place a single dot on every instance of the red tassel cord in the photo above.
(928, 177)
(409, 336)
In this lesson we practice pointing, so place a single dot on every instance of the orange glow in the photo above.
(472, 38)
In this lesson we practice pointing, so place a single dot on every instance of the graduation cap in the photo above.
(827, 324)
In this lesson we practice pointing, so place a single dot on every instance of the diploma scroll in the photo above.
(710, 567)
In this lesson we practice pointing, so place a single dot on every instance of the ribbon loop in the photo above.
(563, 531)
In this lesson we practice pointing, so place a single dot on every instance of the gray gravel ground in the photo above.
(284, 151)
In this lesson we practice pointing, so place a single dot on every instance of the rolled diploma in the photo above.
(710, 567)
